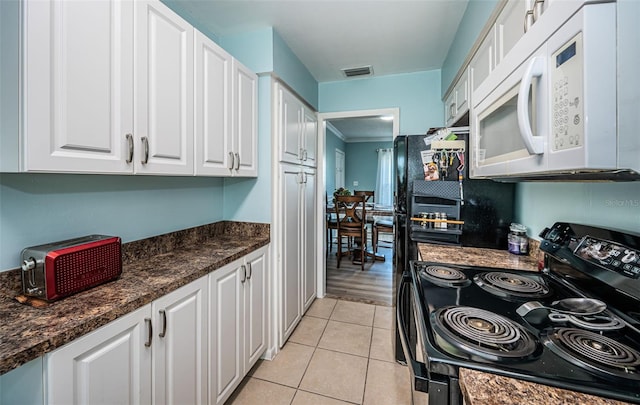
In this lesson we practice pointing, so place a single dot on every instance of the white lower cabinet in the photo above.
(111, 365)
(238, 329)
(156, 354)
(179, 345)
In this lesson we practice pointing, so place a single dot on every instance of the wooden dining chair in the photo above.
(351, 212)
(331, 224)
(381, 225)
(368, 195)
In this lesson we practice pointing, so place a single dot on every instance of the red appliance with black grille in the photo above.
(56, 270)
(575, 325)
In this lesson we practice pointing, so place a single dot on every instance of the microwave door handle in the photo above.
(534, 144)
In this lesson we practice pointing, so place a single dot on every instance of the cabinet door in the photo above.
(108, 366)
(226, 333)
(450, 108)
(164, 90)
(309, 240)
(255, 308)
(309, 137)
(291, 247)
(78, 101)
(483, 61)
(461, 90)
(510, 27)
(180, 345)
(290, 120)
(245, 84)
(213, 136)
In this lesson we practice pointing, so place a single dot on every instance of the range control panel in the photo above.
(610, 255)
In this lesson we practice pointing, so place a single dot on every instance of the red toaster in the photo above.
(56, 270)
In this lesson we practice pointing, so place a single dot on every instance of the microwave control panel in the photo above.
(567, 123)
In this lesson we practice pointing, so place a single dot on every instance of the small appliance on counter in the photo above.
(59, 269)
(575, 325)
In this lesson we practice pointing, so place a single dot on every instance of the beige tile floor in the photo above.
(340, 353)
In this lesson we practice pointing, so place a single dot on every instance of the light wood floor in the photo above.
(373, 285)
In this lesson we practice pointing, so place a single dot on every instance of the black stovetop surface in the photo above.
(544, 366)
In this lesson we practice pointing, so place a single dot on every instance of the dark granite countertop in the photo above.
(152, 268)
(489, 389)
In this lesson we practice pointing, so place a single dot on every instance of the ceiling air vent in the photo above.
(358, 71)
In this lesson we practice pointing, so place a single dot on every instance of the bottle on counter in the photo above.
(518, 242)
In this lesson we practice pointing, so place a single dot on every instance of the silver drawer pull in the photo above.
(164, 323)
(145, 145)
(237, 161)
(231, 161)
(147, 322)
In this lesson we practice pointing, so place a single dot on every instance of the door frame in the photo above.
(321, 179)
(342, 158)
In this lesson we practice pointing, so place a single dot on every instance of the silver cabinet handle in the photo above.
(305, 155)
(250, 271)
(147, 322)
(301, 154)
(231, 161)
(164, 323)
(237, 161)
(244, 276)
(537, 9)
(528, 20)
(130, 146)
(145, 146)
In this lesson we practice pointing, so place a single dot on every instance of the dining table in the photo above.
(372, 211)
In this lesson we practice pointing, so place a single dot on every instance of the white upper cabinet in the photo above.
(213, 142)
(245, 128)
(122, 86)
(484, 61)
(510, 26)
(163, 126)
(298, 129)
(226, 110)
(457, 103)
(78, 86)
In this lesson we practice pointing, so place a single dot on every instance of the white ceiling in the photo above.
(394, 36)
(363, 129)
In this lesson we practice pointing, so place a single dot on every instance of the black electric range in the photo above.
(575, 325)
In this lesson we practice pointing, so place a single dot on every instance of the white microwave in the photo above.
(549, 108)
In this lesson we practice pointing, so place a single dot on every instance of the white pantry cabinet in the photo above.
(156, 354)
(298, 129)
(226, 140)
(297, 245)
(238, 329)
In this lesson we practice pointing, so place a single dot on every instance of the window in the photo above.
(384, 190)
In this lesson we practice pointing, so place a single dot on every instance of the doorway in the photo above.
(374, 284)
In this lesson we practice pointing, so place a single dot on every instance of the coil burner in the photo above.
(477, 334)
(509, 285)
(444, 276)
(594, 352)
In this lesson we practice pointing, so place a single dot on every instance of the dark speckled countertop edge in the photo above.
(152, 268)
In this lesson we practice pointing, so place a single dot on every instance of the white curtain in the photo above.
(384, 191)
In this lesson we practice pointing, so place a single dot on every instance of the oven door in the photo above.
(443, 390)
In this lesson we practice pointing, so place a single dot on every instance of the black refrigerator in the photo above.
(486, 207)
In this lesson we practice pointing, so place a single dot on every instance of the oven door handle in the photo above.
(418, 369)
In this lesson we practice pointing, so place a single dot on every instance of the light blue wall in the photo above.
(332, 142)
(250, 199)
(41, 208)
(475, 16)
(417, 95)
(289, 68)
(253, 49)
(362, 164)
(611, 205)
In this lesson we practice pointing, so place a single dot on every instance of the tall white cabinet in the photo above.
(295, 199)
